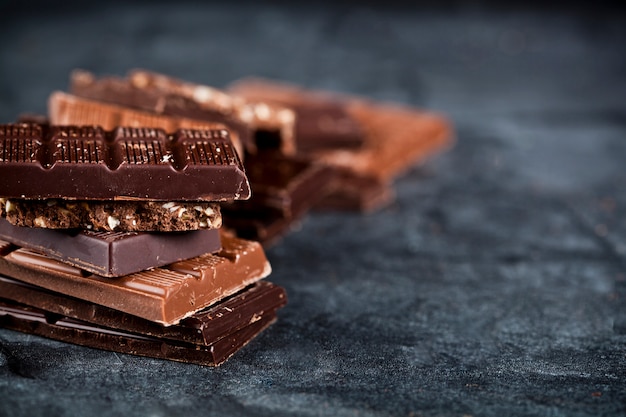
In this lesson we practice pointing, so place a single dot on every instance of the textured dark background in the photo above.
(494, 285)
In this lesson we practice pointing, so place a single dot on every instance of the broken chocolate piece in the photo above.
(135, 94)
(271, 125)
(165, 295)
(111, 253)
(322, 121)
(66, 109)
(88, 163)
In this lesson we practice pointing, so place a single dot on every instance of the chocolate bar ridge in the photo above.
(86, 162)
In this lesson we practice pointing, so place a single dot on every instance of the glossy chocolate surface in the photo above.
(87, 162)
(113, 253)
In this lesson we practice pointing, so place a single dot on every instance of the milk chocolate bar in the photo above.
(67, 109)
(112, 254)
(202, 328)
(396, 138)
(29, 320)
(165, 295)
(322, 121)
(88, 163)
(271, 125)
(118, 216)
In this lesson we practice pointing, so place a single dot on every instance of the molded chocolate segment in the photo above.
(202, 328)
(113, 253)
(85, 162)
(29, 320)
(165, 295)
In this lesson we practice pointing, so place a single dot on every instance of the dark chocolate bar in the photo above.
(356, 193)
(322, 121)
(33, 321)
(165, 295)
(285, 188)
(271, 125)
(141, 96)
(88, 163)
(202, 328)
(266, 228)
(286, 185)
(67, 109)
(112, 253)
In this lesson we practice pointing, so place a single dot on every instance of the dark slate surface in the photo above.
(494, 285)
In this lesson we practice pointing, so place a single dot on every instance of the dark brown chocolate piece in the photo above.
(165, 295)
(356, 193)
(202, 328)
(322, 121)
(110, 253)
(29, 320)
(149, 98)
(66, 109)
(285, 188)
(118, 216)
(88, 163)
(266, 228)
(286, 185)
(271, 125)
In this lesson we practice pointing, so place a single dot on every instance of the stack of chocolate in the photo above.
(111, 239)
(127, 186)
(301, 149)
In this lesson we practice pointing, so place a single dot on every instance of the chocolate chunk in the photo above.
(111, 253)
(322, 121)
(396, 138)
(356, 193)
(118, 216)
(287, 185)
(66, 109)
(150, 98)
(29, 320)
(202, 328)
(285, 188)
(164, 295)
(272, 125)
(88, 163)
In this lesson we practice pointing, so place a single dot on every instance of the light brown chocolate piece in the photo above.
(164, 295)
(118, 216)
